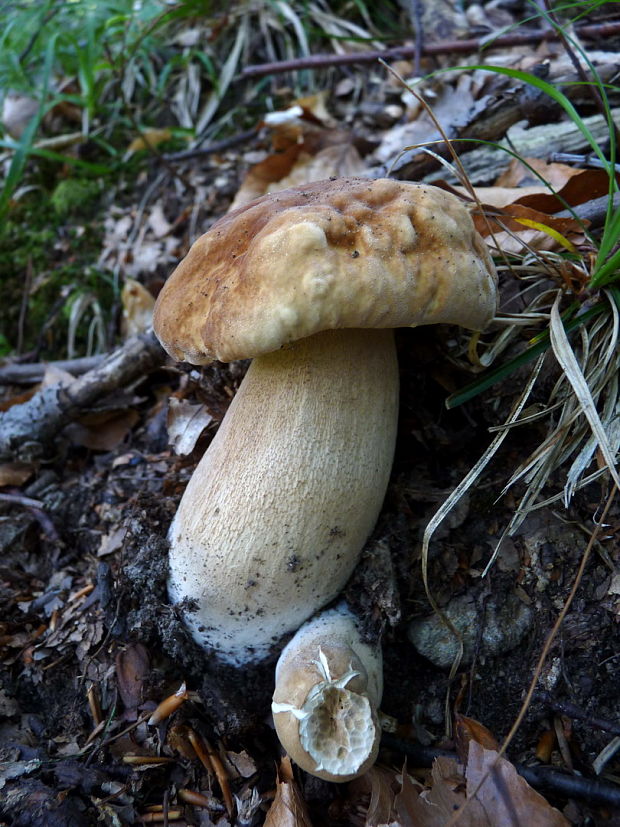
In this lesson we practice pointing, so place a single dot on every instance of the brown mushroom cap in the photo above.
(343, 253)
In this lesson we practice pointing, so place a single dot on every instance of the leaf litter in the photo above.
(137, 473)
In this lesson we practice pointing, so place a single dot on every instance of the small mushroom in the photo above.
(328, 689)
(308, 282)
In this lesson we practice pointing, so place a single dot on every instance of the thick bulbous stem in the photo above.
(275, 515)
(327, 692)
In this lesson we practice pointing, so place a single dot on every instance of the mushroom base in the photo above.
(328, 688)
(276, 514)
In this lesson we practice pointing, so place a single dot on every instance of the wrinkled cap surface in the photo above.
(342, 253)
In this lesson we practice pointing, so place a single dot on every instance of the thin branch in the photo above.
(216, 146)
(573, 711)
(596, 31)
(29, 430)
(27, 373)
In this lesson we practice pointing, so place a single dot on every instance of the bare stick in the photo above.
(596, 31)
(28, 431)
(27, 373)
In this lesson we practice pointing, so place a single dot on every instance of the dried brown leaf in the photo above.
(15, 473)
(102, 431)
(149, 138)
(138, 306)
(510, 215)
(518, 173)
(305, 150)
(468, 729)
(503, 795)
(288, 808)
(185, 423)
(376, 786)
(435, 806)
(132, 667)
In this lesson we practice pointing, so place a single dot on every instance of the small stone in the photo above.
(504, 628)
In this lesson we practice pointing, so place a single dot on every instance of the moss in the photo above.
(54, 258)
(75, 195)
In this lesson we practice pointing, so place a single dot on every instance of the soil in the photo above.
(103, 521)
(90, 645)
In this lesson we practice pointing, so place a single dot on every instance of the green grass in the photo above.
(579, 329)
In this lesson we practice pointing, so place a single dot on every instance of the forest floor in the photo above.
(89, 642)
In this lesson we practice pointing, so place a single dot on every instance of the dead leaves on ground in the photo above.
(481, 789)
(288, 808)
(307, 145)
(477, 788)
(487, 792)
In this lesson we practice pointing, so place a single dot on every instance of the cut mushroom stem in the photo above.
(274, 518)
(328, 688)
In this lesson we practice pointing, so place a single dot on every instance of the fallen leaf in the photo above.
(112, 542)
(149, 138)
(102, 431)
(185, 424)
(288, 808)
(138, 306)
(468, 729)
(132, 668)
(158, 222)
(376, 786)
(418, 807)
(305, 148)
(15, 473)
(517, 174)
(505, 797)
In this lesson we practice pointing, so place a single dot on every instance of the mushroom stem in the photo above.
(275, 515)
(328, 688)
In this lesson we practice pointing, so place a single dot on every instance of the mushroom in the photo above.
(309, 283)
(328, 689)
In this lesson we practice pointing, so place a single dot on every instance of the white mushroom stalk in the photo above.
(275, 515)
(328, 689)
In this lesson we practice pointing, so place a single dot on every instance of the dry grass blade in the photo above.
(566, 358)
(293, 18)
(338, 28)
(227, 73)
(579, 465)
(465, 484)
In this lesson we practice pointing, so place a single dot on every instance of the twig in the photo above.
(594, 211)
(23, 310)
(594, 31)
(30, 372)
(588, 160)
(28, 431)
(553, 781)
(18, 499)
(574, 711)
(216, 146)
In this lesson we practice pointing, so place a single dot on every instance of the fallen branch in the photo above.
(27, 373)
(595, 31)
(573, 711)
(28, 431)
(217, 146)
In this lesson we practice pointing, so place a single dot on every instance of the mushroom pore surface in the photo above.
(328, 688)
